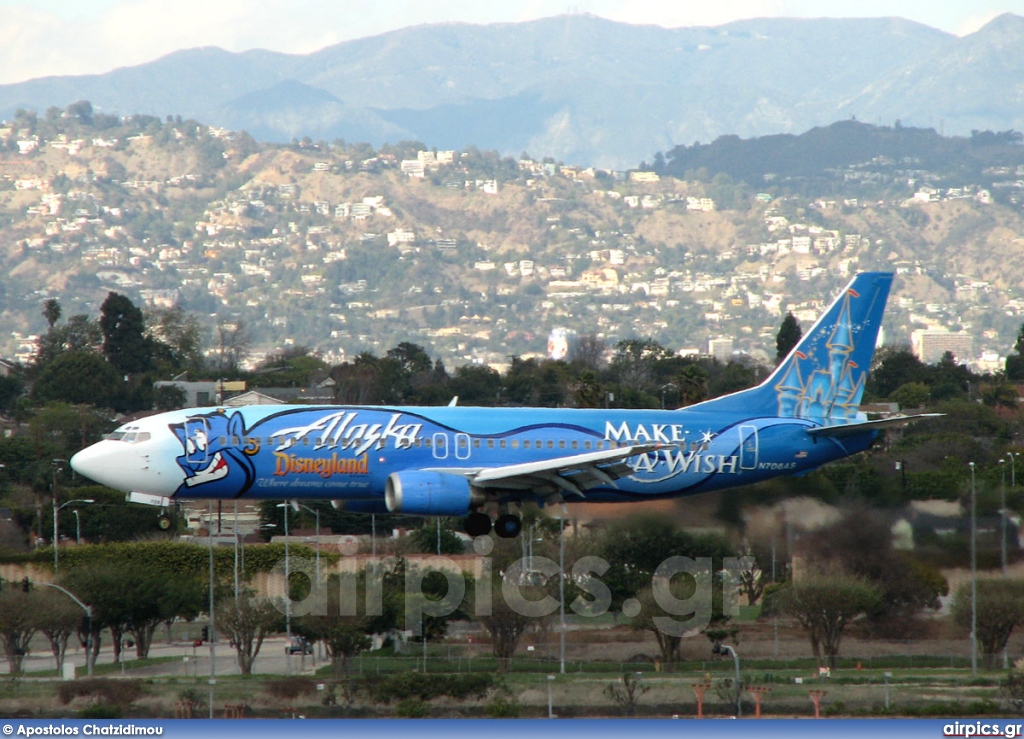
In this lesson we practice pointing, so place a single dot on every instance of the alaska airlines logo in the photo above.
(342, 431)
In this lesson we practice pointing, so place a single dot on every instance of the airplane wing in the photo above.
(572, 475)
(849, 429)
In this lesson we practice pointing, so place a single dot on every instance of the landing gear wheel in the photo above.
(163, 523)
(477, 524)
(508, 526)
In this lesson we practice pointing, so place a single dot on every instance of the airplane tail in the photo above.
(822, 378)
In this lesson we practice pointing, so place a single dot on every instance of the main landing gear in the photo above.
(507, 525)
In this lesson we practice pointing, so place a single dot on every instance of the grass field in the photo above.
(925, 677)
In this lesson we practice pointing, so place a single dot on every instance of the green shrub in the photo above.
(402, 685)
(501, 706)
(412, 708)
(101, 711)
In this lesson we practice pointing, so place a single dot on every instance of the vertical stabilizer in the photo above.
(823, 378)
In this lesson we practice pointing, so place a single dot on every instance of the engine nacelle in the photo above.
(428, 493)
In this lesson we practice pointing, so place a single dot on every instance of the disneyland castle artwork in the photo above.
(832, 394)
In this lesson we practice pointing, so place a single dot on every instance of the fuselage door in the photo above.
(748, 447)
(440, 446)
(197, 440)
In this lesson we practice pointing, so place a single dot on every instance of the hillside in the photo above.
(577, 87)
(349, 249)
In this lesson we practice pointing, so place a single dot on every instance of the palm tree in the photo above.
(51, 311)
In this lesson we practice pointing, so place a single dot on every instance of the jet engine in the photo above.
(428, 493)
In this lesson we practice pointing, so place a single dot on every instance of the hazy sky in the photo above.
(47, 37)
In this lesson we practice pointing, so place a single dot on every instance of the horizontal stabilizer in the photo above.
(849, 429)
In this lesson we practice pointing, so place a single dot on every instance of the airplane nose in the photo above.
(96, 463)
(130, 468)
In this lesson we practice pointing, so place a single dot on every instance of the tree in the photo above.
(125, 343)
(51, 311)
(905, 586)
(63, 618)
(182, 336)
(133, 597)
(893, 367)
(638, 545)
(475, 384)
(1015, 362)
(233, 341)
(788, 337)
(433, 536)
(20, 613)
(587, 352)
(246, 621)
(999, 395)
(645, 620)
(693, 384)
(634, 361)
(79, 377)
(587, 390)
(513, 592)
(1000, 609)
(337, 624)
(78, 333)
(824, 605)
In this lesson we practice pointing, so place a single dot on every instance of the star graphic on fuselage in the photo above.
(706, 436)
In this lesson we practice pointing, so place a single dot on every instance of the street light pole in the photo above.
(57, 467)
(212, 631)
(1002, 514)
(287, 590)
(722, 649)
(235, 530)
(296, 505)
(561, 593)
(78, 527)
(56, 518)
(974, 577)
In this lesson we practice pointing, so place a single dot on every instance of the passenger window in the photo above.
(551, 444)
(476, 443)
(575, 444)
(526, 443)
(490, 443)
(561, 443)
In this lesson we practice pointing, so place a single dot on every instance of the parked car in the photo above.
(298, 645)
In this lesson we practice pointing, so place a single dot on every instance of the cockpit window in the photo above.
(129, 434)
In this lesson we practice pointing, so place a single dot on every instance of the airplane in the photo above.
(484, 463)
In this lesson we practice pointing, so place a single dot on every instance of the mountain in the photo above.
(577, 87)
